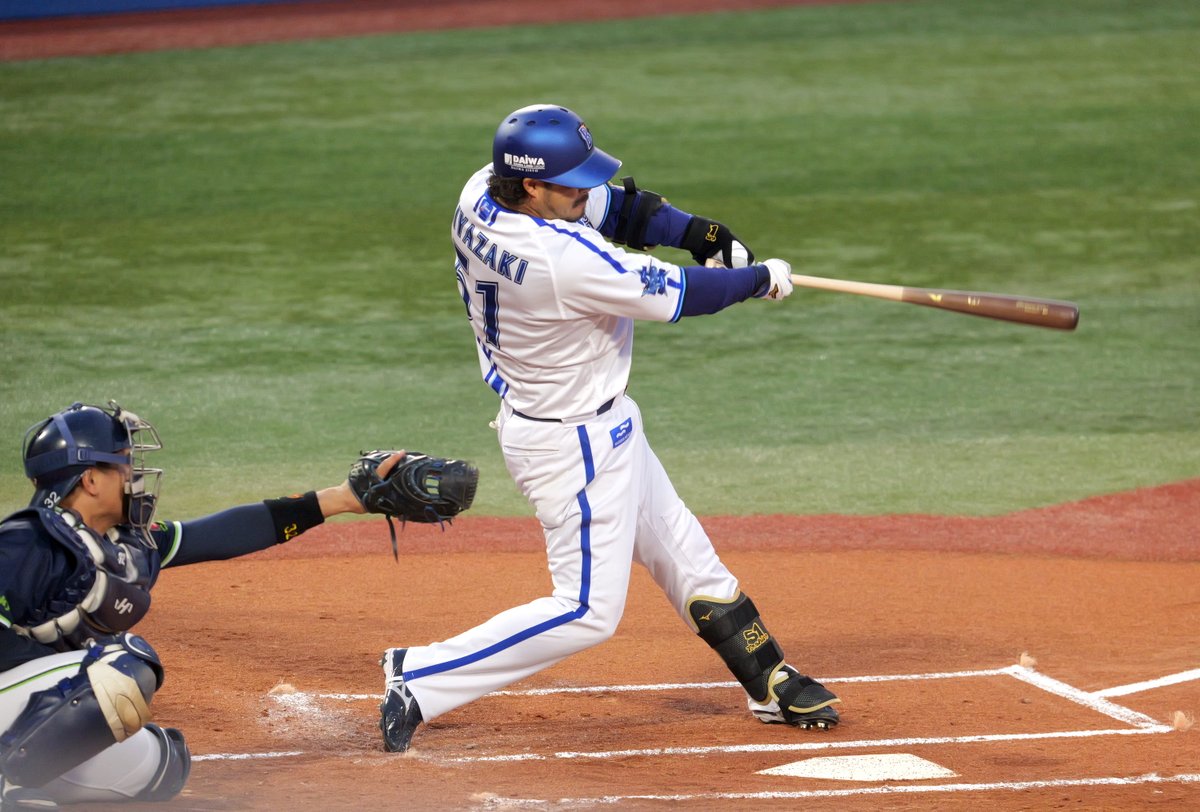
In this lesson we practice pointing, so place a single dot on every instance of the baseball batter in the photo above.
(552, 299)
(76, 570)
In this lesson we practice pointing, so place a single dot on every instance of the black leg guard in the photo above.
(173, 770)
(778, 692)
(735, 631)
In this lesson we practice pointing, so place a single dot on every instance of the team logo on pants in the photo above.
(622, 432)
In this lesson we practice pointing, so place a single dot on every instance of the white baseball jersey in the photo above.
(552, 303)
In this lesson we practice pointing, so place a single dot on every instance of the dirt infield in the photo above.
(1103, 593)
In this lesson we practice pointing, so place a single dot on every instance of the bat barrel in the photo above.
(1057, 315)
(1050, 313)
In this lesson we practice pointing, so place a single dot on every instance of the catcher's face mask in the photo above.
(141, 488)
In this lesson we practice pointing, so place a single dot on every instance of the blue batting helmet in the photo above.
(550, 143)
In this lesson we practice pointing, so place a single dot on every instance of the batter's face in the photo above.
(550, 201)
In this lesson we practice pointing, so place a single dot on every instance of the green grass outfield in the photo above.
(250, 247)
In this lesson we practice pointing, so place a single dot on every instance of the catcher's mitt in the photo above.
(419, 489)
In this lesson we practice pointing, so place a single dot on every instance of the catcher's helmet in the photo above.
(550, 143)
(60, 448)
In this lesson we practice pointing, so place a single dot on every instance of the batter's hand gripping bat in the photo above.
(1022, 309)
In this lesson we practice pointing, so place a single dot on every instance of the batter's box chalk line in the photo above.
(1097, 701)
(889, 789)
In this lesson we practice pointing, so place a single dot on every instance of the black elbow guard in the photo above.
(637, 208)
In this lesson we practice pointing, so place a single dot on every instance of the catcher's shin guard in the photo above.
(174, 766)
(776, 691)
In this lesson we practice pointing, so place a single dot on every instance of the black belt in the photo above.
(604, 407)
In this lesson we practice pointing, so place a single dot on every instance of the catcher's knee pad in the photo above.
(102, 704)
(735, 631)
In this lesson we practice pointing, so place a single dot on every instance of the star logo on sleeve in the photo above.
(654, 280)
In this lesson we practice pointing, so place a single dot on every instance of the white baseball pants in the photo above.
(604, 500)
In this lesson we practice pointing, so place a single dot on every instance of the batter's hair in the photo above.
(509, 191)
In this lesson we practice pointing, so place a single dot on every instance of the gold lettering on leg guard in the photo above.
(755, 636)
(120, 700)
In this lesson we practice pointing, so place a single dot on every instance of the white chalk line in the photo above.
(676, 686)
(1150, 684)
(802, 746)
(245, 756)
(1096, 701)
(889, 789)
(1075, 695)
(1088, 700)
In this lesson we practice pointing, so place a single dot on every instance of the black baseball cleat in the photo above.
(399, 713)
(797, 700)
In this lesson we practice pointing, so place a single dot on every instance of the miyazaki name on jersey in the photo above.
(505, 263)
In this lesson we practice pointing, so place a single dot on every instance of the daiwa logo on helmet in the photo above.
(525, 163)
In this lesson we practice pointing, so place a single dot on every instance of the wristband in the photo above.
(292, 515)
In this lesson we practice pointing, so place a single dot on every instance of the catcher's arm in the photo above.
(248, 528)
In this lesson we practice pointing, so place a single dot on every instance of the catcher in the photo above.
(76, 570)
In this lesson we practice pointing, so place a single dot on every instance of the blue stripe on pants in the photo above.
(585, 587)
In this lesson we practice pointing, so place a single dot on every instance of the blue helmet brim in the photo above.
(596, 170)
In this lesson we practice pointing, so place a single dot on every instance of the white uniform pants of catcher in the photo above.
(604, 501)
(116, 773)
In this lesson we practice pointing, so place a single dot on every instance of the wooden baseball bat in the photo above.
(1022, 309)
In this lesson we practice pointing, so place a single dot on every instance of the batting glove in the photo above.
(739, 253)
(779, 286)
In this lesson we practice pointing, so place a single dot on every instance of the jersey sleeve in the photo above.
(227, 534)
(600, 206)
(596, 277)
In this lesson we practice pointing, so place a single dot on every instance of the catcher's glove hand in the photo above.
(419, 489)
